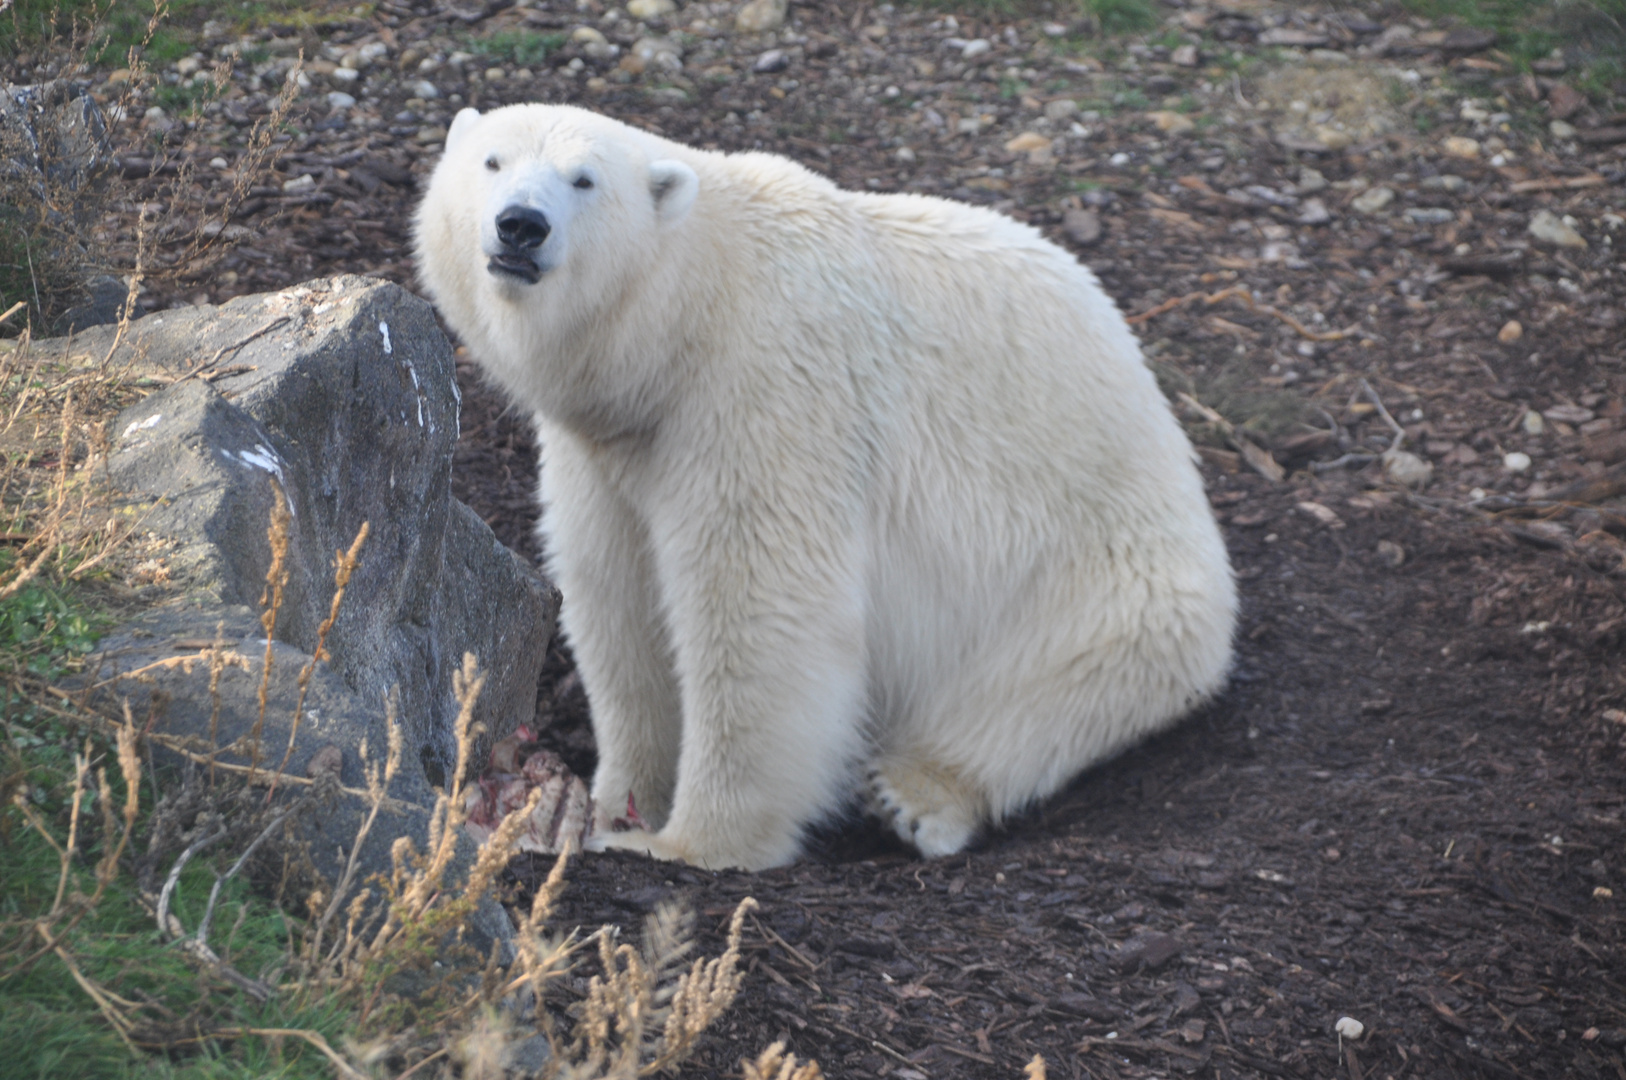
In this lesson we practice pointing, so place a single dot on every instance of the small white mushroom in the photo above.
(1348, 1028)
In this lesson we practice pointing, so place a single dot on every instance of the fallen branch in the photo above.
(1361, 461)
(1257, 457)
(1244, 293)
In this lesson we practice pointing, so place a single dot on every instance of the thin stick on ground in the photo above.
(1358, 461)
(1241, 292)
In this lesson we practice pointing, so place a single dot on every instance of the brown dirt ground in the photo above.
(1409, 807)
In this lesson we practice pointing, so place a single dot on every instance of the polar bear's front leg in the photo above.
(598, 552)
(767, 623)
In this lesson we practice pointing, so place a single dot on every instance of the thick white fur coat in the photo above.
(846, 493)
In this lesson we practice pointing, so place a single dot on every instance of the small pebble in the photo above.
(299, 184)
(425, 89)
(1552, 229)
(1444, 182)
(1511, 331)
(975, 48)
(338, 101)
(760, 16)
(1458, 146)
(1314, 212)
(1082, 226)
(1060, 109)
(1516, 462)
(1373, 200)
(1430, 215)
(1407, 469)
(1171, 122)
(771, 61)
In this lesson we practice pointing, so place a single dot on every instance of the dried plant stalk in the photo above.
(774, 1064)
(344, 565)
(276, 580)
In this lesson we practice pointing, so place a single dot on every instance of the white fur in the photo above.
(836, 485)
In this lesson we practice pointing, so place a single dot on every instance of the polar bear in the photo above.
(848, 494)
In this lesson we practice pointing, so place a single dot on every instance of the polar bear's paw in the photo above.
(929, 806)
(648, 843)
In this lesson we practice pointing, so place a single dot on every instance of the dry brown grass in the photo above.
(388, 950)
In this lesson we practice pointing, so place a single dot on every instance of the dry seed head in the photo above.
(774, 1064)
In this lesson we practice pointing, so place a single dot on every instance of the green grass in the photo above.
(181, 99)
(1528, 30)
(49, 1028)
(106, 30)
(1121, 16)
(1106, 16)
(522, 47)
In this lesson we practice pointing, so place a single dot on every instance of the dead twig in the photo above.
(233, 347)
(1241, 292)
(1358, 460)
(1257, 457)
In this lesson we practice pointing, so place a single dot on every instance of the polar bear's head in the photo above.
(529, 198)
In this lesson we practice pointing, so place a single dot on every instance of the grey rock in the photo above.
(103, 302)
(342, 392)
(332, 715)
(52, 136)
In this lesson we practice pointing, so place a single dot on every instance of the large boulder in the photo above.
(340, 392)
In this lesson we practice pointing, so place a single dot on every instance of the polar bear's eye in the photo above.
(492, 164)
(583, 182)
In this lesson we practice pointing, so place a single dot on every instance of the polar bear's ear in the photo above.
(462, 124)
(673, 185)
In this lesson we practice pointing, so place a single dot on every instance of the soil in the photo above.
(1409, 807)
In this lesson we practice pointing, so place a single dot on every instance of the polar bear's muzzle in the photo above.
(521, 232)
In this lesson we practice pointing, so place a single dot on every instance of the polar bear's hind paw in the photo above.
(931, 808)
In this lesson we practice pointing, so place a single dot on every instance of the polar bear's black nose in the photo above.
(523, 228)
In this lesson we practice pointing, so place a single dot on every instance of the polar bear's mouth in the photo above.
(510, 264)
